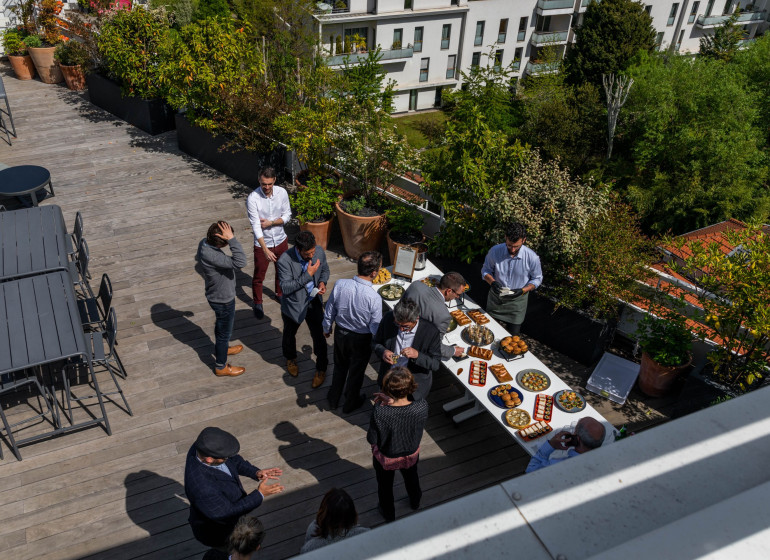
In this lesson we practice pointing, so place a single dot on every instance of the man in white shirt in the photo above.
(268, 208)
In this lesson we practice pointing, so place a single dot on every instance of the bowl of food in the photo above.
(391, 292)
(478, 335)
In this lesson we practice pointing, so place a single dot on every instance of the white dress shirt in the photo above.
(262, 207)
(404, 339)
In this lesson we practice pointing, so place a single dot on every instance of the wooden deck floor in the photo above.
(145, 206)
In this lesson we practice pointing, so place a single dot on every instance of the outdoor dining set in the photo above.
(57, 336)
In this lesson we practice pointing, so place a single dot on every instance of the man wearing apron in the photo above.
(512, 270)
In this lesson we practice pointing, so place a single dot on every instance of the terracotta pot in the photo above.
(321, 231)
(74, 77)
(656, 380)
(47, 67)
(360, 234)
(393, 247)
(22, 66)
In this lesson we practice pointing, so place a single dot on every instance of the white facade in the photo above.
(456, 34)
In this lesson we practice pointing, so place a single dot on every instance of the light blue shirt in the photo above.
(221, 467)
(543, 457)
(310, 285)
(354, 305)
(513, 272)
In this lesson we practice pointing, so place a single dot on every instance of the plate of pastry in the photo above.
(505, 396)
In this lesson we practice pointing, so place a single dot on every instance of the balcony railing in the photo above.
(535, 68)
(745, 17)
(354, 58)
(548, 37)
(323, 8)
(546, 5)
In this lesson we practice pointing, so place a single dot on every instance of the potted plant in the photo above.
(74, 61)
(405, 224)
(666, 352)
(16, 49)
(42, 54)
(313, 205)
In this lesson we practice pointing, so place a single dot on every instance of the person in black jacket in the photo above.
(212, 484)
(404, 340)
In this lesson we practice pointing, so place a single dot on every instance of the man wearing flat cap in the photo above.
(212, 484)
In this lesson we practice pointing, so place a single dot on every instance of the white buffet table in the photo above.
(478, 396)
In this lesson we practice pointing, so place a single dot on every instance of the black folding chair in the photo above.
(6, 111)
(95, 310)
(77, 234)
(12, 383)
(78, 270)
(102, 360)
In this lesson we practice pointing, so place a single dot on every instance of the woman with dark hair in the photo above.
(243, 542)
(395, 431)
(337, 519)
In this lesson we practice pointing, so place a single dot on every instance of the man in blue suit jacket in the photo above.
(303, 274)
(212, 484)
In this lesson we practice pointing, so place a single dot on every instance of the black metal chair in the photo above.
(102, 360)
(6, 111)
(95, 310)
(77, 234)
(13, 382)
(78, 270)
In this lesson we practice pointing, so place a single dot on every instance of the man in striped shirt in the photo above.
(356, 308)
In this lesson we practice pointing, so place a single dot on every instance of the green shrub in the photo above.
(33, 41)
(13, 42)
(667, 341)
(405, 219)
(315, 202)
(73, 53)
(208, 9)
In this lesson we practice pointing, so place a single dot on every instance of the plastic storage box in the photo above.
(613, 378)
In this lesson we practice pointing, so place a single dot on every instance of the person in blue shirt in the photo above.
(589, 434)
(512, 270)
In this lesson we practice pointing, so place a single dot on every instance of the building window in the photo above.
(475, 59)
(679, 42)
(437, 100)
(479, 39)
(517, 59)
(446, 32)
(424, 64)
(543, 23)
(398, 38)
(498, 59)
(672, 15)
(709, 7)
(728, 7)
(450, 66)
(659, 40)
(350, 35)
(502, 33)
(418, 39)
(693, 12)
(407, 4)
(522, 29)
(413, 100)
(648, 9)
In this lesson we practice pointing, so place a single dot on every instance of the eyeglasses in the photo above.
(404, 326)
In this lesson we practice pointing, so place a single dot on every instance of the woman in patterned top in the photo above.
(395, 431)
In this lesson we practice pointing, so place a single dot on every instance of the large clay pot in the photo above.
(22, 66)
(360, 234)
(74, 77)
(656, 380)
(46, 66)
(320, 230)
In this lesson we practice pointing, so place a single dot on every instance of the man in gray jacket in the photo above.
(303, 274)
(219, 273)
(432, 302)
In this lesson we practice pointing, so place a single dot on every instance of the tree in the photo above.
(617, 94)
(613, 31)
(753, 64)
(211, 9)
(698, 154)
(723, 43)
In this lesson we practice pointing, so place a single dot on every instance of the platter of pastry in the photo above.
(517, 418)
(533, 380)
(478, 317)
(431, 281)
(534, 431)
(500, 373)
(478, 374)
(543, 407)
(483, 353)
(382, 277)
(460, 318)
(513, 346)
(478, 335)
(391, 292)
(569, 401)
(505, 396)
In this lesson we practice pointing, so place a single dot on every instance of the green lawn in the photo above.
(408, 126)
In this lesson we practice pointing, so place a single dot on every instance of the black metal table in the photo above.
(33, 241)
(24, 179)
(40, 324)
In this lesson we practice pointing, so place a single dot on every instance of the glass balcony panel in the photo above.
(554, 4)
(545, 37)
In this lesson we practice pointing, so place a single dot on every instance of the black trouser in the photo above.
(351, 356)
(385, 488)
(314, 320)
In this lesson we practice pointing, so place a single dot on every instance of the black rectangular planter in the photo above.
(151, 115)
(241, 165)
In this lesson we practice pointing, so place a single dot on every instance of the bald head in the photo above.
(591, 433)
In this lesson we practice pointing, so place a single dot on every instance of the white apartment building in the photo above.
(425, 43)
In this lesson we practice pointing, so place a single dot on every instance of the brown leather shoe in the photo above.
(234, 349)
(318, 379)
(229, 371)
(291, 366)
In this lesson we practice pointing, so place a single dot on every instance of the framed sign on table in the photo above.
(406, 257)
